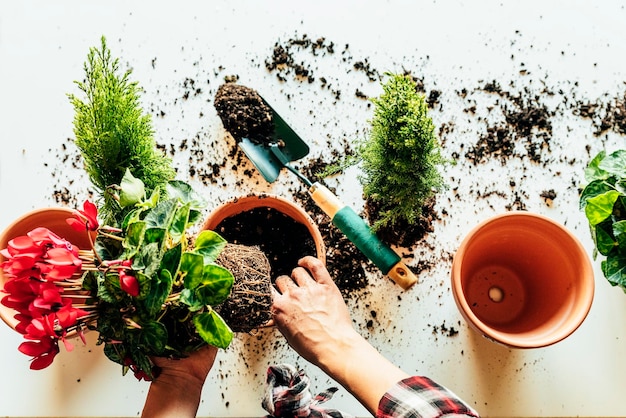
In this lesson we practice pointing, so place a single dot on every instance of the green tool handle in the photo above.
(360, 234)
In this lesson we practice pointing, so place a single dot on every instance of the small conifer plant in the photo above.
(112, 131)
(401, 156)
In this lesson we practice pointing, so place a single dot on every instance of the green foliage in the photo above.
(112, 132)
(178, 284)
(400, 158)
(604, 203)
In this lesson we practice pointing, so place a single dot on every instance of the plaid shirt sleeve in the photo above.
(420, 397)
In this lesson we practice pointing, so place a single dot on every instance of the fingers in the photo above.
(310, 270)
(317, 268)
(283, 283)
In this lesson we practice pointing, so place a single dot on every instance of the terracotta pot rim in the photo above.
(312, 227)
(577, 316)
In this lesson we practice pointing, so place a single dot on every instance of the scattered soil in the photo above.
(248, 306)
(283, 240)
(244, 113)
(526, 121)
(609, 116)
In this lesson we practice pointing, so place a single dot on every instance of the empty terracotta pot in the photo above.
(288, 208)
(522, 280)
(51, 218)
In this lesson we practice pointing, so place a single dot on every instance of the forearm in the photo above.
(361, 369)
(173, 396)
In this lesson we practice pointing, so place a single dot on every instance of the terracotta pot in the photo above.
(522, 280)
(247, 203)
(51, 218)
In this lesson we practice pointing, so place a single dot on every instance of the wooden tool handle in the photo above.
(360, 234)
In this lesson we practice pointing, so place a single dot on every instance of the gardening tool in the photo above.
(286, 146)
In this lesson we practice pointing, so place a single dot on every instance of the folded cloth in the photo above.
(287, 395)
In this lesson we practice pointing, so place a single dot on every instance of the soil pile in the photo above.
(244, 113)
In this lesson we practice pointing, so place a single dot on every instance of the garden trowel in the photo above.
(286, 146)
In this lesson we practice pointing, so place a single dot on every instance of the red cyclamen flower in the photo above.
(129, 283)
(86, 219)
(41, 254)
(43, 352)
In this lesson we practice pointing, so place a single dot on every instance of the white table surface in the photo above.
(576, 45)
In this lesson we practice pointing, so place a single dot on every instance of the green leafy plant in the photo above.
(401, 156)
(177, 284)
(604, 201)
(112, 131)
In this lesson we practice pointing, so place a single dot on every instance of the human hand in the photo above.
(310, 312)
(196, 366)
(177, 389)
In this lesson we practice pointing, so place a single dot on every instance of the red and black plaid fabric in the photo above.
(420, 397)
(287, 395)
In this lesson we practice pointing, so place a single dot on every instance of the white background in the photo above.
(574, 45)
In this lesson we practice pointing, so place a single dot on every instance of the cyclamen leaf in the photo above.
(619, 228)
(179, 224)
(614, 164)
(144, 285)
(112, 290)
(604, 240)
(161, 215)
(160, 289)
(171, 259)
(132, 190)
(192, 269)
(593, 189)
(209, 244)
(195, 216)
(188, 297)
(600, 207)
(134, 237)
(213, 330)
(614, 269)
(154, 235)
(149, 257)
(593, 171)
(153, 336)
(185, 193)
(215, 286)
(115, 352)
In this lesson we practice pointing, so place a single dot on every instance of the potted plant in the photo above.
(399, 159)
(143, 286)
(603, 200)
